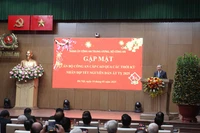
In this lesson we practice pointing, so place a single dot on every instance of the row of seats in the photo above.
(96, 123)
(95, 130)
(11, 128)
(133, 125)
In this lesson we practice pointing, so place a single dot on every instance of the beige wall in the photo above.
(163, 43)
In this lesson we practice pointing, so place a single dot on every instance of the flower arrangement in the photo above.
(20, 73)
(154, 86)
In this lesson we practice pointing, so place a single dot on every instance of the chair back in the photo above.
(21, 131)
(14, 120)
(164, 131)
(92, 123)
(89, 129)
(133, 125)
(126, 130)
(168, 127)
(10, 128)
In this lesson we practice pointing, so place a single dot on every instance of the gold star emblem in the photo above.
(41, 23)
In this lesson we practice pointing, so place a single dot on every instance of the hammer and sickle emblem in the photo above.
(19, 23)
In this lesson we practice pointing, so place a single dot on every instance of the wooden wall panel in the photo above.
(121, 100)
(132, 30)
(95, 99)
(196, 38)
(105, 29)
(130, 101)
(78, 97)
(104, 100)
(86, 99)
(65, 30)
(53, 98)
(163, 43)
(155, 44)
(180, 33)
(112, 100)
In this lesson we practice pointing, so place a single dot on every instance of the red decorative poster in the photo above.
(42, 22)
(98, 63)
(18, 22)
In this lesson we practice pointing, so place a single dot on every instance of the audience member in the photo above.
(160, 114)
(27, 113)
(4, 119)
(66, 124)
(126, 121)
(36, 127)
(153, 128)
(140, 131)
(57, 110)
(21, 119)
(58, 117)
(87, 118)
(111, 126)
(159, 122)
(159, 119)
(28, 125)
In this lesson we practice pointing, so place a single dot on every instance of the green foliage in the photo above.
(187, 80)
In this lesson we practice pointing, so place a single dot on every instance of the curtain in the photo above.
(103, 9)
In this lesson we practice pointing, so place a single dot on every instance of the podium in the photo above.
(26, 94)
(160, 103)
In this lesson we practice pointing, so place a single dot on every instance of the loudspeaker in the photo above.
(7, 103)
(66, 105)
(138, 107)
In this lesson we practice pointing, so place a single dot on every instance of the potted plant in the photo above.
(186, 92)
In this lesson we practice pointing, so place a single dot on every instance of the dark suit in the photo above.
(163, 74)
(30, 117)
(3, 122)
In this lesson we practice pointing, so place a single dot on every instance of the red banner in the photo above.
(18, 22)
(98, 63)
(42, 22)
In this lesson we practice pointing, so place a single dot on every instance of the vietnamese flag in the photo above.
(18, 22)
(42, 22)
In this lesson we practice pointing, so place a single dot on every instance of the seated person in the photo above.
(37, 127)
(159, 119)
(27, 113)
(126, 121)
(159, 122)
(4, 119)
(152, 128)
(58, 117)
(66, 124)
(21, 119)
(111, 126)
(57, 110)
(86, 118)
(160, 114)
(28, 125)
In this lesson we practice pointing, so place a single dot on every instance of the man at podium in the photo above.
(29, 62)
(160, 73)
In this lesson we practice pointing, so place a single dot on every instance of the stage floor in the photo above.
(77, 114)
